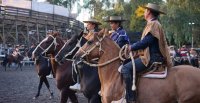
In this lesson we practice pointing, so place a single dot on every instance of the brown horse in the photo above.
(9, 59)
(63, 73)
(180, 86)
(43, 68)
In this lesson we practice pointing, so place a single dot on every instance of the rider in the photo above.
(16, 51)
(152, 45)
(92, 27)
(118, 34)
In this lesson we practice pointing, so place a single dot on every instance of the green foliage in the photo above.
(175, 23)
(65, 3)
(179, 14)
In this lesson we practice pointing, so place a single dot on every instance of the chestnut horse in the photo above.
(43, 68)
(9, 59)
(63, 73)
(180, 86)
(90, 83)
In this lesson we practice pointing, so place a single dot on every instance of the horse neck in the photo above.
(107, 56)
(108, 74)
(53, 54)
(59, 46)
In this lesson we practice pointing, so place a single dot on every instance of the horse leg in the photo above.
(39, 87)
(5, 66)
(9, 65)
(72, 96)
(48, 86)
(64, 95)
(20, 65)
(96, 98)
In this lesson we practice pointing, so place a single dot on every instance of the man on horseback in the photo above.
(152, 46)
(16, 51)
(118, 34)
(92, 27)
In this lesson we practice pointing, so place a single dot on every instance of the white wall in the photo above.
(17, 3)
(42, 7)
(37, 6)
(59, 10)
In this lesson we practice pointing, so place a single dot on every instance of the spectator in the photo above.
(194, 58)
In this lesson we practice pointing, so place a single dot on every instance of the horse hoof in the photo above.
(50, 97)
(34, 98)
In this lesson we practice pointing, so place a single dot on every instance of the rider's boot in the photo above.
(77, 86)
(130, 95)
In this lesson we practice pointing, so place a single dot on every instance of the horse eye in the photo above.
(89, 42)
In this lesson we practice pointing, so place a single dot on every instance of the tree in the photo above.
(138, 23)
(180, 14)
(65, 3)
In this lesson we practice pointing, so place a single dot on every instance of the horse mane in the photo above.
(57, 35)
(75, 37)
(103, 32)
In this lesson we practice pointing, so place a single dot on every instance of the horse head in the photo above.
(49, 45)
(94, 47)
(70, 47)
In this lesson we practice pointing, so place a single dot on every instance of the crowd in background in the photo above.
(185, 54)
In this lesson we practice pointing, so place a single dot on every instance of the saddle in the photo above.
(156, 70)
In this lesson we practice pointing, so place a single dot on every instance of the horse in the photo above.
(62, 73)
(43, 68)
(9, 59)
(90, 83)
(180, 86)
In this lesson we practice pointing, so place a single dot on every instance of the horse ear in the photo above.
(56, 33)
(101, 32)
(106, 33)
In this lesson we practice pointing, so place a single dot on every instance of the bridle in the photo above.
(99, 45)
(54, 42)
(78, 45)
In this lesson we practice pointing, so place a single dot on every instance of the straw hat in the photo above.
(115, 18)
(91, 20)
(154, 7)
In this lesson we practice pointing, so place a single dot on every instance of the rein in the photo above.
(45, 50)
(54, 42)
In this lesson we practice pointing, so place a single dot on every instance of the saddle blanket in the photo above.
(151, 74)
(158, 75)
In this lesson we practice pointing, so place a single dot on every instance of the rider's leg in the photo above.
(127, 71)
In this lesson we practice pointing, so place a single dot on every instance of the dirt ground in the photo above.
(21, 86)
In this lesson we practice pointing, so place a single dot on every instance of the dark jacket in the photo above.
(120, 37)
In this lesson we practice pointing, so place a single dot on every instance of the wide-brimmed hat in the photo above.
(115, 18)
(153, 7)
(91, 20)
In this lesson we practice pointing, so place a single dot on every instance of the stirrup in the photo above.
(76, 87)
(49, 76)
